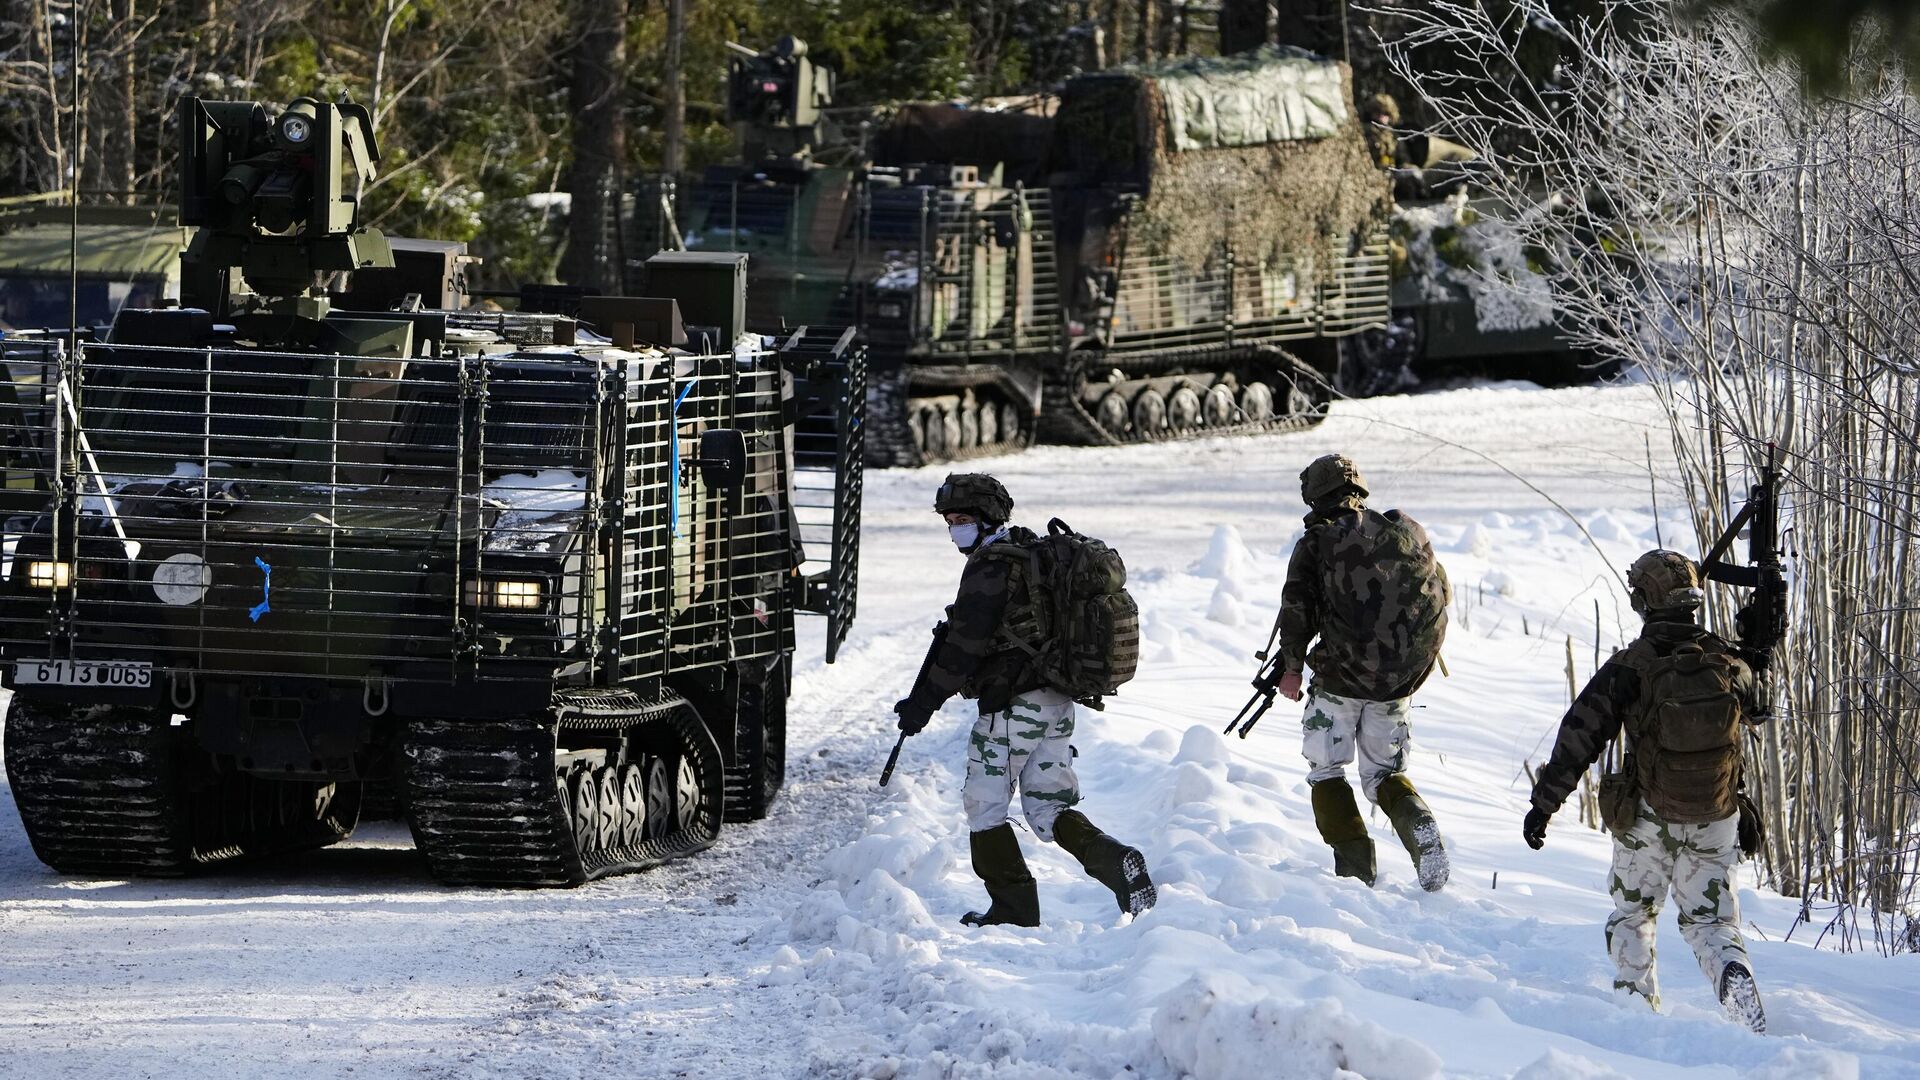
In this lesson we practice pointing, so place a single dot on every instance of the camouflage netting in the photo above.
(1283, 194)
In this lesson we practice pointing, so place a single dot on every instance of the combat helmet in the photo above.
(974, 493)
(1664, 580)
(1328, 476)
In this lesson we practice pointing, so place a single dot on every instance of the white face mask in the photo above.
(965, 536)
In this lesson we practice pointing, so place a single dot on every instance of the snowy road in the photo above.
(822, 942)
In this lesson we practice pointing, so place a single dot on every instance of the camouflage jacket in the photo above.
(970, 656)
(1347, 662)
(1612, 698)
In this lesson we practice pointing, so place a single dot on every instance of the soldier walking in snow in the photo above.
(1367, 585)
(1022, 737)
(1685, 699)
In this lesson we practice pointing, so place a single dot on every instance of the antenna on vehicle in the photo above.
(73, 196)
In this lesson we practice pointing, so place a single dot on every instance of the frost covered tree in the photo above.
(1752, 251)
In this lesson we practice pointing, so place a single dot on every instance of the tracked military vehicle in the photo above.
(542, 573)
(1158, 252)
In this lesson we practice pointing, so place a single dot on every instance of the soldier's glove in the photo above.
(1534, 828)
(913, 716)
(1290, 686)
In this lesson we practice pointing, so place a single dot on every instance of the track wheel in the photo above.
(1300, 402)
(970, 427)
(633, 806)
(1112, 413)
(686, 795)
(1256, 402)
(607, 825)
(1218, 409)
(1009, 421)
(659, 792)
(584, 809)
(1183, 409)
(989, 424)
(934, 445)
(917, 430)
(1150, 413)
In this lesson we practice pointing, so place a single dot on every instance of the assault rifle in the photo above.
(1266, 684)
(1763, 621)
(939, 636)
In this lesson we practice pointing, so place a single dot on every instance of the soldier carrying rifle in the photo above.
(1685, 699)
(1368, 587)
(997, 645)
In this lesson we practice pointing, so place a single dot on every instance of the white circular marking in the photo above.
(182, 579)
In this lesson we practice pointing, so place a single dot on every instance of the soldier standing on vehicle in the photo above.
(1367, 585)
(1022, 739)
(1685, 698)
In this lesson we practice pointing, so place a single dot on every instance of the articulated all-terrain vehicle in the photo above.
(540, 572)
(1181, 249)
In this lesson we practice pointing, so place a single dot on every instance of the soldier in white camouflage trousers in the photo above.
(1021, 740)
(1685, 700)
(1696, 862)
(1023, 748)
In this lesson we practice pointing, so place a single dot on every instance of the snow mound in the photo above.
(1558, 1065)
(1476, 541)
(1604, 526)
(1227, 555)
(1203, 746)
(1208, 1027)
(1224, 609)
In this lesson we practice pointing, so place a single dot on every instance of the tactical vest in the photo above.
(1685, 733)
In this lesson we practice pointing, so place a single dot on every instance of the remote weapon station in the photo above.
(539, 574)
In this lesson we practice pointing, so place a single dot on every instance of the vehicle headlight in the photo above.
(891, 311)
(49, 575)
(509, 594)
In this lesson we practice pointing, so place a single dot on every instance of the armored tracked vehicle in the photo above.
(1159, 252)
(540, 572)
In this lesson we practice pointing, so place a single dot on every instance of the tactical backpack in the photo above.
(1386, 597)
(1686, 745)
(1085, 636)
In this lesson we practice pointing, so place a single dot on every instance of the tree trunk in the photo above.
(1245, 25)
(673, 151)
(596, 95)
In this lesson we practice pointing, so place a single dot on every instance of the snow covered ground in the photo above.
(824, 941)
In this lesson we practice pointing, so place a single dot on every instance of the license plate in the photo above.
(113, 674)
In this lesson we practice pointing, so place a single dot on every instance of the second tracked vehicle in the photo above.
(1158, 252)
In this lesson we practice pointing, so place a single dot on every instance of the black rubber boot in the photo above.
(1015, 899)
(1417, 829)
(1337, 814)
(1740, 998)
(1106, 860)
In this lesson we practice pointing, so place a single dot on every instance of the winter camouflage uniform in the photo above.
(1692, 859)
(1379, 633)
(1022, 740)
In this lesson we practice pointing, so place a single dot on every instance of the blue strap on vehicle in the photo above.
(673, 459)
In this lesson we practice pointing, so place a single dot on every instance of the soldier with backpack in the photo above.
(1368, 587)
(1039, 622)
(1685, 699)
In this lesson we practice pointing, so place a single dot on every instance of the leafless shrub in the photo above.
(1756, 256)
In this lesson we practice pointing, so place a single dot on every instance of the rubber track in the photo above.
(1065, 418)
(487, 808)
(101, 791)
